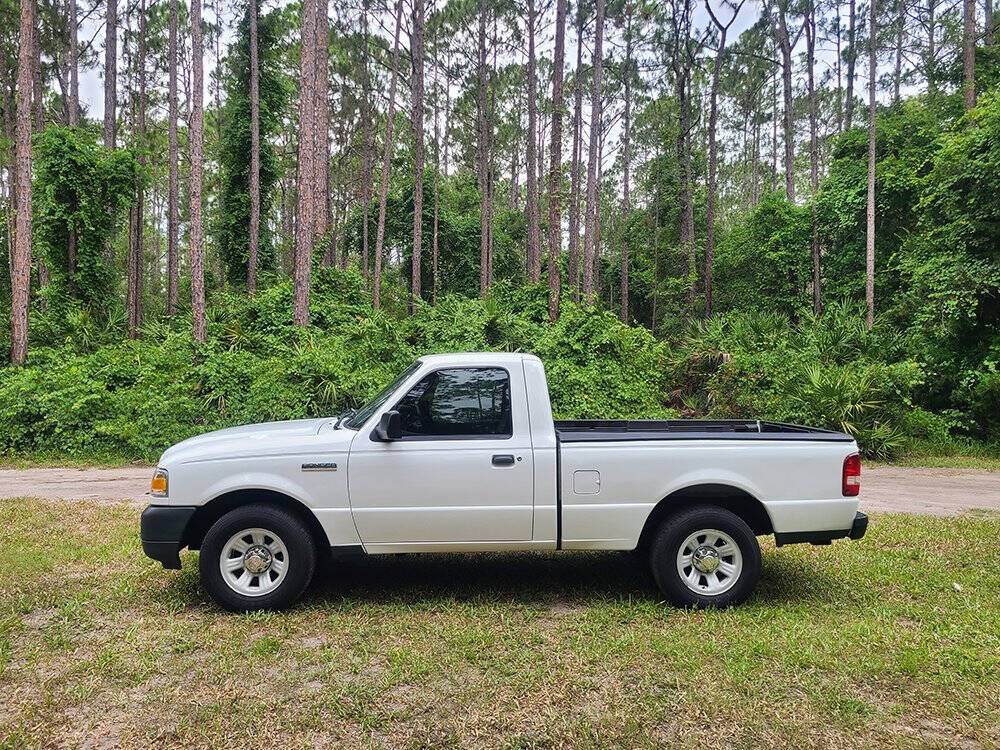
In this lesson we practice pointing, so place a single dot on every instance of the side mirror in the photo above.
(390, 427)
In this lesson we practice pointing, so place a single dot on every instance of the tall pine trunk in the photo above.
(321, 112)
(73, 112)
(437, 167)
(969, 54)
(533, 254)
(110, 73)
(367, 144)
(773, 182)
(573, 256)
(870, 208)
(785, 45)
(386, 161)
(626, 163)
(173, 187)
(591, 227)
(74, 67)
(681, 63)
(713, 157)
(305, 220)
(254, 240)
(137, 216)
(810, 27)
(482, 159)
(930, 57)
(555, 164)
(417, 117)
(197, 138)
(897, 73)
(852, 57)
(20, 270)
(840, 71)
(515, 156)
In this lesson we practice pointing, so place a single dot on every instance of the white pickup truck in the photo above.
(460, 453)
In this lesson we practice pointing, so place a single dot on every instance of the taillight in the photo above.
(852, 475)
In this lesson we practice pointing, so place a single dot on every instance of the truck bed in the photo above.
(618, 430)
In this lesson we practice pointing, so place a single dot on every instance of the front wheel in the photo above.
(705, 556)
(258, 557)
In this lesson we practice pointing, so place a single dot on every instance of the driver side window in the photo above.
(461, 402)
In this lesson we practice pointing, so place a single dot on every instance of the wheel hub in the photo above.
(257, 559)
(706, 559)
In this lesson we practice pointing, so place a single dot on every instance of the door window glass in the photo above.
(458, 402)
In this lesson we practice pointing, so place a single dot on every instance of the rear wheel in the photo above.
(258, 557)
(705, 556)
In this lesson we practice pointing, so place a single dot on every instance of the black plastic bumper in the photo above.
(161, 529)
(860, 525)
(857, 530)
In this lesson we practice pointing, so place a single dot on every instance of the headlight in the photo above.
(158, 487)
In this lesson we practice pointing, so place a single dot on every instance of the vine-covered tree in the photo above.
(197, 135)
(247, 249)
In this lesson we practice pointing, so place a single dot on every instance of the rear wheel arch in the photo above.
(733, 499)
(212, 511)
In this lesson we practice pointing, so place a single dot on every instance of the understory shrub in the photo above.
(90, 393)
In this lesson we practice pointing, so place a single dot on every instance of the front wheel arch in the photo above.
(212, 511)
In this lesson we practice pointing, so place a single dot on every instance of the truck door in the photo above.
(462, 471)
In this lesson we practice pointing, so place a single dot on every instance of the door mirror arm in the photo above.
(390, 427)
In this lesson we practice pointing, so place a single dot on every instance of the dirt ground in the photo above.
(933, 492)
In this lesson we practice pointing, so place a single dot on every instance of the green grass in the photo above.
(950, 461)
(860, 644)
(953, 454)
(61, 461)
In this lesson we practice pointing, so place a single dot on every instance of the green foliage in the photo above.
(234, 215)
(81, 193)
(458, 234)
(768, 250)
(830, 371)
(91, 394)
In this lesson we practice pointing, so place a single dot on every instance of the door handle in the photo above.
(503, 459)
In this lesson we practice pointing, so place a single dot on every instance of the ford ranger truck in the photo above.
(460, 453)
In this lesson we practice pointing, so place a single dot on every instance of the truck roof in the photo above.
(476, 358)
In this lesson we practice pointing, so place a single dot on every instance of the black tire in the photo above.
(300, 561)
(675, 530)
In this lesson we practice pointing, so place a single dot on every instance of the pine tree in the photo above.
(20, 267)
(383, 194)
(110, 73)
(305, 221)
(592, 227)
(555, 166)
(870, 208)
(173, 168)
(197, 145)
(417, 118)
(254, 239)
(533, 251)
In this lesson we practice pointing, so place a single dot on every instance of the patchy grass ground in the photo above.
(856, 645)
(953, 461)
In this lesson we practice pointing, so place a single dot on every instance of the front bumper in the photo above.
(161, 528)
(857, 530)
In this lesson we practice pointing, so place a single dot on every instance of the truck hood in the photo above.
(266, 438)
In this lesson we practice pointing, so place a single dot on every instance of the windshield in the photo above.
(375, 404)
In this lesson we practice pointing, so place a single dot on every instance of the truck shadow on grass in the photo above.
(539, 578)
